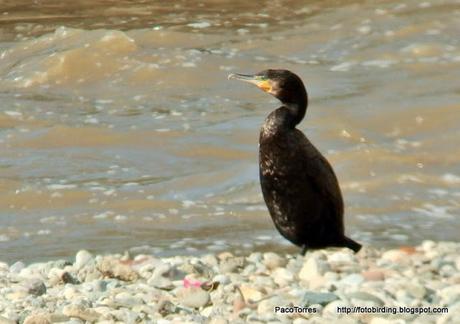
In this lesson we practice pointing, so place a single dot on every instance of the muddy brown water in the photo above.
(119, 129)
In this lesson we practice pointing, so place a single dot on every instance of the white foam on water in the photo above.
(435, 211)
(120, 218)
(451, 178)
(342, 67)
(200, 24)
(13, 113)
(59, 186)
(4, 238)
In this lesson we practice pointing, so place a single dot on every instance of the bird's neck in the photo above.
(285, 118)
(296, 106)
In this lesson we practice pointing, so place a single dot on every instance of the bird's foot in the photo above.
(304, 250)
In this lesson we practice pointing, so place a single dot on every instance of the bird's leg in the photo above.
(304, 250)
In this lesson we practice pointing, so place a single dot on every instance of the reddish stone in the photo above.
(408, 249)
(373, 275)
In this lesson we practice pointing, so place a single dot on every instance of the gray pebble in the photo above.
(126, 299)
(321, 298)
(231, 264)
(194, 297)
(160, 282)
(364, 296)
(35, 287)
(17, 267)
(353, 279)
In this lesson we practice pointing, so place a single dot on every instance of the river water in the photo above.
(119, 129)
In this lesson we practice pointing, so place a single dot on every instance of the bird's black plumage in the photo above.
(298, 184)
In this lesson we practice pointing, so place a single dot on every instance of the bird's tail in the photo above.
(349, 243)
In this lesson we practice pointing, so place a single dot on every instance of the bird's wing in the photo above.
(320, 174)
(329, 183)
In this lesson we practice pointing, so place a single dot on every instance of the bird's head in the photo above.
(283, 84)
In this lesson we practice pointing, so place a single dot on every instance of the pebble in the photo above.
(321, 298)
(231, 264)
(81, 312)
(82, 258)
(312, 272)
(364, 296)
(266, 306)
(353, 279)
(113, 268)
(35, 287)
(4, 320)
(222, 279)
(452, 316)
(224, 288)
(341, 258)
(457, 263)
(272, 260)
(160, 282)
(373, 275)
(416, 290)
(380, 320)
(68, 278)
(218, 320)
(395, 255)
(37, 319)
(300, 321)
(194, 297)
(126, 299)
(282, 276)
(250, 295)
(17, 267)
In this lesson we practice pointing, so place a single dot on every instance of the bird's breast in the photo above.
(276, 158)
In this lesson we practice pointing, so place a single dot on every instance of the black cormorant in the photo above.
(299, 185)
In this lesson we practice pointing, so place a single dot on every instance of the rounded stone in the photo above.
(126, 299)
(35, 287)
(394, 255)
(373, 275)
(37, 319)
(314, 267)
(353, 279)
(272, 260)
(222, 279)
(232, 264)
(250, 294)
(341, 258)
(82, 258)
(218, 320)
(17, 267)
(282, 276)
(267, 306)
(194, 297)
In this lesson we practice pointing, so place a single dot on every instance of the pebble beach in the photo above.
(404, 285)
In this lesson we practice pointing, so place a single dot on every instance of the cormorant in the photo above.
(299, 185)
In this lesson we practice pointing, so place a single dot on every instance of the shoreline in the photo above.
(375, 286)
